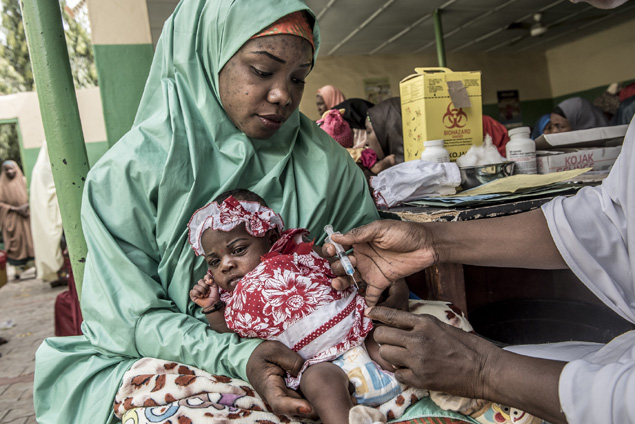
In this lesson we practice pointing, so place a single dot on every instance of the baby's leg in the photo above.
(326, 387)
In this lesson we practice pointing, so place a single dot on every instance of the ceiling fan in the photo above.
(535, 28)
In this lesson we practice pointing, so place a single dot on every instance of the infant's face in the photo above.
(232, 254)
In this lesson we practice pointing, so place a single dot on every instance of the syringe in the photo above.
(340, 253)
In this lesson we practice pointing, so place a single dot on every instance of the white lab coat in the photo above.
(595, 233)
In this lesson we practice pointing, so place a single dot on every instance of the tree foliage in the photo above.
(80, 51)
(16, 74)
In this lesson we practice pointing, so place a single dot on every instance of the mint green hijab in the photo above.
(181, 152)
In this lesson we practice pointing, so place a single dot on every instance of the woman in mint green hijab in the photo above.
(220, 111)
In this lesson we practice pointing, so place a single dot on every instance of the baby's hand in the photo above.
(205, 292)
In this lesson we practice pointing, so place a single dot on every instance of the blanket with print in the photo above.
(161, 392)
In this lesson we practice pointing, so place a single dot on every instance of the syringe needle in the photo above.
(346, 263)
(355, 282)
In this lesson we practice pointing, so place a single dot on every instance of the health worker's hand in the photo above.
(342, 280)
(396, 296)
(385, 251)
(433, 355)
(266, 370)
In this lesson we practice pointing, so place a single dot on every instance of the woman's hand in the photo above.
(266, 369)
(432, 355)
(385, 251)
(205, 292)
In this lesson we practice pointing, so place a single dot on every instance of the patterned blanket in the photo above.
(162, 392)
(155, 391)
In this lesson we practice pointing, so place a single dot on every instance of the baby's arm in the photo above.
(205, 294)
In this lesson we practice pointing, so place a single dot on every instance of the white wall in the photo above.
(25, 107)
(597, 60)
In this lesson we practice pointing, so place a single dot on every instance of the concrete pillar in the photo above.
(60, 116)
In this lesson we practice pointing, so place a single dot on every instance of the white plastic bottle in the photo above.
(522, 150)
(435, 152)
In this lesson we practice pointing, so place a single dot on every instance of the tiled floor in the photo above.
(29, 305)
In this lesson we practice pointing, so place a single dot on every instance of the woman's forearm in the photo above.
(517, 241)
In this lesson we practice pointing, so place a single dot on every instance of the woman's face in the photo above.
(262, 84)
(371, 140)
(557, 124)
(321, 105)
(9, 170)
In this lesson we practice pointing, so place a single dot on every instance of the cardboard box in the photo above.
(593, 137)
(437, 103)
(600, 159)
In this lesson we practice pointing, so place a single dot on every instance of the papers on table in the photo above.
(516, 187)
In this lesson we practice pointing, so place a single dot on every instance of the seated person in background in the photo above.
(539, 128)
(625, 112)
(355, 112)
(384, 129)
(626, 109)
(609, 100)
(269, 283)
(327, 97)
(366, 157)
(575, 114)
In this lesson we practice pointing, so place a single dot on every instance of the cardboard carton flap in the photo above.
(593, 137)
(433, 70)
(419, 71)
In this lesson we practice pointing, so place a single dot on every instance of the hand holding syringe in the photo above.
(341, 253)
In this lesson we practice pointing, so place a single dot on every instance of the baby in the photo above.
(267, 282)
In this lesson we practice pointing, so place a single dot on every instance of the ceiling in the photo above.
(378, 27)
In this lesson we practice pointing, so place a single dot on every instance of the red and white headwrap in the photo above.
(258, 219)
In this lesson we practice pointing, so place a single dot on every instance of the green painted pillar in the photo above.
(60, 116)
(122, 43)
(438, 34)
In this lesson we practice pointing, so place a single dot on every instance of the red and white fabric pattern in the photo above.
(288, 297)
(258, 219)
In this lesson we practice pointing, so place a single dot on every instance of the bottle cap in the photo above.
(433, 143)
(519, 130)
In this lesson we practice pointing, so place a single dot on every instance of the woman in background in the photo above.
(384, 129)
(541, 124)
(327, 97)
(355, 113)
(575, 114)
(14, 217)
(46, 223)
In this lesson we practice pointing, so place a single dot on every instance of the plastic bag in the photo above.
(487, 154)
(415, 179)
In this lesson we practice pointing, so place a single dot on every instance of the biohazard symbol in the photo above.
(454, 117)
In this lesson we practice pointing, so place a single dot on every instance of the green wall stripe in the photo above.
(530, 110)
(122, 70)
